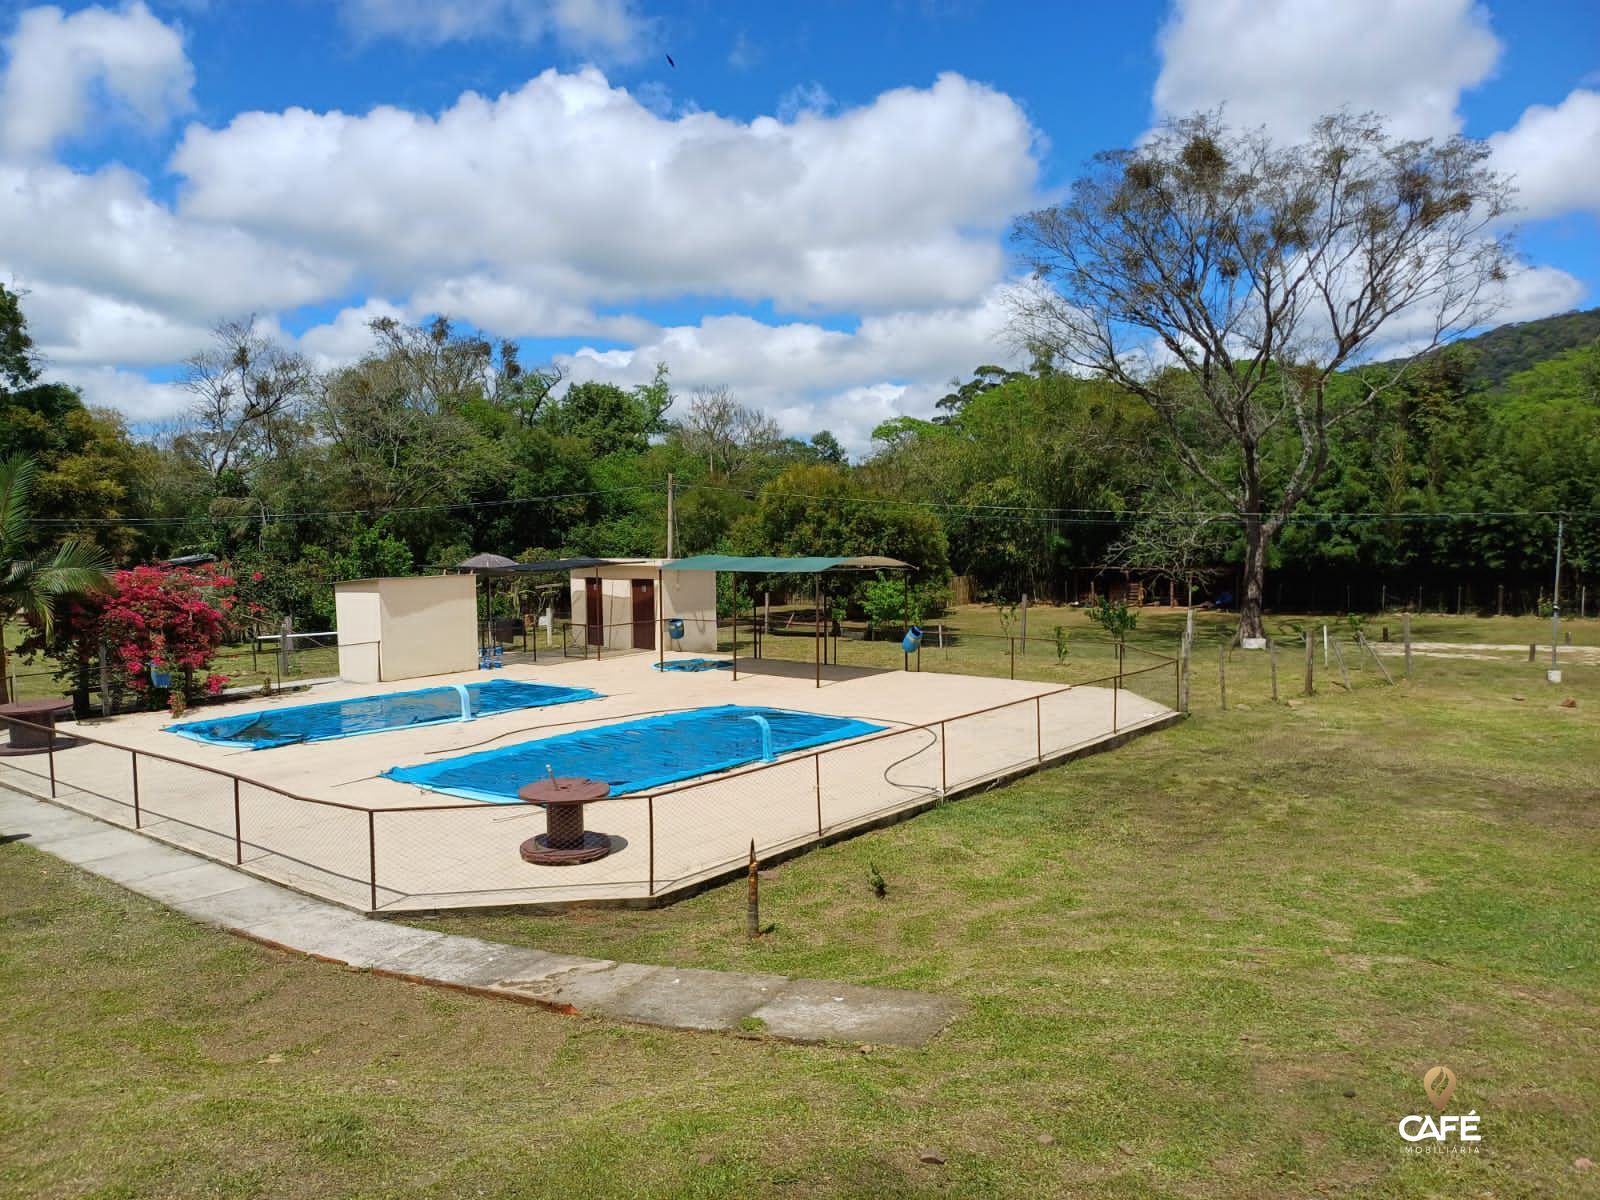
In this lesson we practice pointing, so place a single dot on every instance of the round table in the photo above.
(564, 841)
(24, 717)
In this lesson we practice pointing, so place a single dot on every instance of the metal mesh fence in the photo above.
(185, 805)
(450, 855)
(454, 854)
(317, 848)
(869, 779)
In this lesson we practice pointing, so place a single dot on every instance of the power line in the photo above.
(998, 512)
(269, 517)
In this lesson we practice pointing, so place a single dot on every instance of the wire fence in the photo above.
(453, 854)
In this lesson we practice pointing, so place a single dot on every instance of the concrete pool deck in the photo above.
(378, 844)
(798, 1010)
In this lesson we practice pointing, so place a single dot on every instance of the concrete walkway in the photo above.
(800, 1010)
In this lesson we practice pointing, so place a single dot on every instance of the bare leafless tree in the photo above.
(727, 434)
(247, 390)
(1227, 280)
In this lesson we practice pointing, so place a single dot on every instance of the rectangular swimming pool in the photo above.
(635, 756)
(376, 714)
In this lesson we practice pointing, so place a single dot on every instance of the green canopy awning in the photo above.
(763, 565)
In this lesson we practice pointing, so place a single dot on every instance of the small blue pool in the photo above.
(376, 714)
(635, 756)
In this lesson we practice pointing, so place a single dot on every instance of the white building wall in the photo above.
(404, 628)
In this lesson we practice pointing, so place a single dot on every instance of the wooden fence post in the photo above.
(1310, 688)
(752, 908)
(1405, 631)
(1361, 639)
(1222, 674)
(1272, 659)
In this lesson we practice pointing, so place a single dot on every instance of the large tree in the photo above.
(247, 393)
(1226, 279)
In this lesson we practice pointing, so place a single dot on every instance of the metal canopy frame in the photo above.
(735, 564)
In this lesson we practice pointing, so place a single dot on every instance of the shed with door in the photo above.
(626, 604)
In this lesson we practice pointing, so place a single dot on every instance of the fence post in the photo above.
(1272, 659)
(372, 854)
(1361, 638)
(816, 760)
(134, 755)
(1038, 729)
(1222, 673)
(650, 809)
(944, 782)
(52, 753)
(1013, 658)
(1310, 685)
(1185, 653)
(1338, 657)
(238, 832)
(105, 682)
(1405, 631)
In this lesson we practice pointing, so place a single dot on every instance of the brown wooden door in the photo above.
(644, 614)
(594, 613)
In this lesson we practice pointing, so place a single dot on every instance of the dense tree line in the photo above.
(439, 444)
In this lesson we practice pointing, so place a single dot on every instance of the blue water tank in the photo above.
(675, 628)
(913, 639)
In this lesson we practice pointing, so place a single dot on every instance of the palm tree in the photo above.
(31, 586)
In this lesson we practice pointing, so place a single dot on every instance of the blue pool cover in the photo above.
(633, 756)
(374, 714)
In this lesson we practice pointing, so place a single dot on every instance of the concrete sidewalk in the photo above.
(800, 1010)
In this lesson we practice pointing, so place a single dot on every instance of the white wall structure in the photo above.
(689, 595)
(403, 628)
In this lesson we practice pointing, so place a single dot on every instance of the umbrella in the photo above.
(486, 562)
(490, 564)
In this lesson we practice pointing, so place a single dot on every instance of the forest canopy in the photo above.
(438, 444)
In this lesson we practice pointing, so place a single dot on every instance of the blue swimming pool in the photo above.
(634, 756)
(376, 714)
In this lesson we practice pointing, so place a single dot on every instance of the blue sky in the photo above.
(810, 207)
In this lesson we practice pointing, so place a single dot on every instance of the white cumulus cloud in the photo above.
(610, 27)
(808, 377)
(1553, 156)
(62, 71)
(1284, 63)
(571, 188)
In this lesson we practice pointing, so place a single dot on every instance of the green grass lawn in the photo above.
(1215, 962)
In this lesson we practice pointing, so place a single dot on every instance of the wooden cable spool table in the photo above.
(565, 841)
(32, 724)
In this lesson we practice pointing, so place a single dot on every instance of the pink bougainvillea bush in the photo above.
(169, 619)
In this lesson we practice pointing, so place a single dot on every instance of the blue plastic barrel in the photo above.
(913, 639)
(675, 628)
(160, 677)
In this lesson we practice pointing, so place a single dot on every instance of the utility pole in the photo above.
(671, 518)
(1555, 607)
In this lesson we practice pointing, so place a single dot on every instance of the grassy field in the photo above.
(1215, 962)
